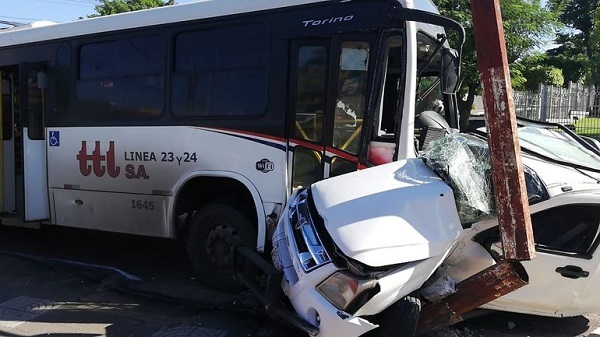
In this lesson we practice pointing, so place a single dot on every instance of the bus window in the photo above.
(121, 79)
(35, 100)
(430, 113)
(62, 86)
(220, 72)
(351, 95)
(309, 108)
(6, 108)
(429, 95)
(394, 74)
(310, 92)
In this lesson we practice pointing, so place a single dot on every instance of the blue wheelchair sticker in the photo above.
(54, 138)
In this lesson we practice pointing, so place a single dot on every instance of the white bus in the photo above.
(196, 121)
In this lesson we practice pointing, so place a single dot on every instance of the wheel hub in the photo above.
(220, 242)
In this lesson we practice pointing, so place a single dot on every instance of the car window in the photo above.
(571, 230)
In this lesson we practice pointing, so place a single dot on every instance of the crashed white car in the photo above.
(357, 250)
(563, 185)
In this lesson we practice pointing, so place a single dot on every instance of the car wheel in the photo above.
(400, 319)
(214, 232)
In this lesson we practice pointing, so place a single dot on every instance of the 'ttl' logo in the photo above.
(97, 159)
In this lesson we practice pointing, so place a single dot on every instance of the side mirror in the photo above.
(449, 73)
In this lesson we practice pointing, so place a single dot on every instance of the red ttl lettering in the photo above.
(97, 160)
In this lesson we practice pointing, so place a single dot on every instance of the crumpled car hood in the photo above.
(389, 214)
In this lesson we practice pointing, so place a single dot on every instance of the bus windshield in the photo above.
(429, 95)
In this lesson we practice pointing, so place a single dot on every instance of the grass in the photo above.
(588, 126)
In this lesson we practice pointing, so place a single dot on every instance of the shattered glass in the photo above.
(463, 162)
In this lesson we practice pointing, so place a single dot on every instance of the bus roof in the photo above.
(202, 9)
(142, 18)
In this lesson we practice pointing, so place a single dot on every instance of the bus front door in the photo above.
(33, 102)
(329, 84)
(23, 170)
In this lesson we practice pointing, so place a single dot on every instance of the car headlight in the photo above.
(343, 290)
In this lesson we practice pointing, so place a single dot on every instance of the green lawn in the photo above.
(588, 126)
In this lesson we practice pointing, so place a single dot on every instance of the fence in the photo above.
(577, 106)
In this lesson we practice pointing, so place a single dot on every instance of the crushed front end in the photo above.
(351, 246)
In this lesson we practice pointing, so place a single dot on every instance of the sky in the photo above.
(25, 11)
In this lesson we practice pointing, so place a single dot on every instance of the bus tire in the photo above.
(400, 319)
(214, 231)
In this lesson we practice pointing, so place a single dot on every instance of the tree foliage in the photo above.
(527, 25)
(578, 53)
(109, 7)
(537, 70)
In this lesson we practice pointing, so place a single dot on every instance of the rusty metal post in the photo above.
(507, 174)
(507, 168)
(483, 287)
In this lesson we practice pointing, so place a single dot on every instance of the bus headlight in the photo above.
(342, 290)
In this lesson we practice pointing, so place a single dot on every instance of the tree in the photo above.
(579, 51)
(527, 26)
(571, 60)
(536, 70)
(109, 7)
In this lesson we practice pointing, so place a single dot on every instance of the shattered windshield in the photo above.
(556, 145)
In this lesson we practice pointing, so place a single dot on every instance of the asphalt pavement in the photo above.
(64, 282)
(41, 296)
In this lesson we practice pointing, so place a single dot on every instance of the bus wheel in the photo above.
(214, 232)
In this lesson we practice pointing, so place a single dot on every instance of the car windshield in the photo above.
(557, 145)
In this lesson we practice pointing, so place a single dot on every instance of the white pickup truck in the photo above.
(362, 252)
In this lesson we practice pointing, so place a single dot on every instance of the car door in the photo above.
(564, 275)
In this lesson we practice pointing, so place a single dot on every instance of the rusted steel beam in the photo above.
(507, 168)
(483, 287)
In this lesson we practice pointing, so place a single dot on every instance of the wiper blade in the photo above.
(560, 162)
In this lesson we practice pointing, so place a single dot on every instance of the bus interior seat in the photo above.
(432, 126)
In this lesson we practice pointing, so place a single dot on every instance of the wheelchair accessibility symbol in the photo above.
(54, 138)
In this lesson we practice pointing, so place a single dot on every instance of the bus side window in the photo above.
(220, 72)
(389, 106)
(62, 87)
(121, 79)
(391, 90)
